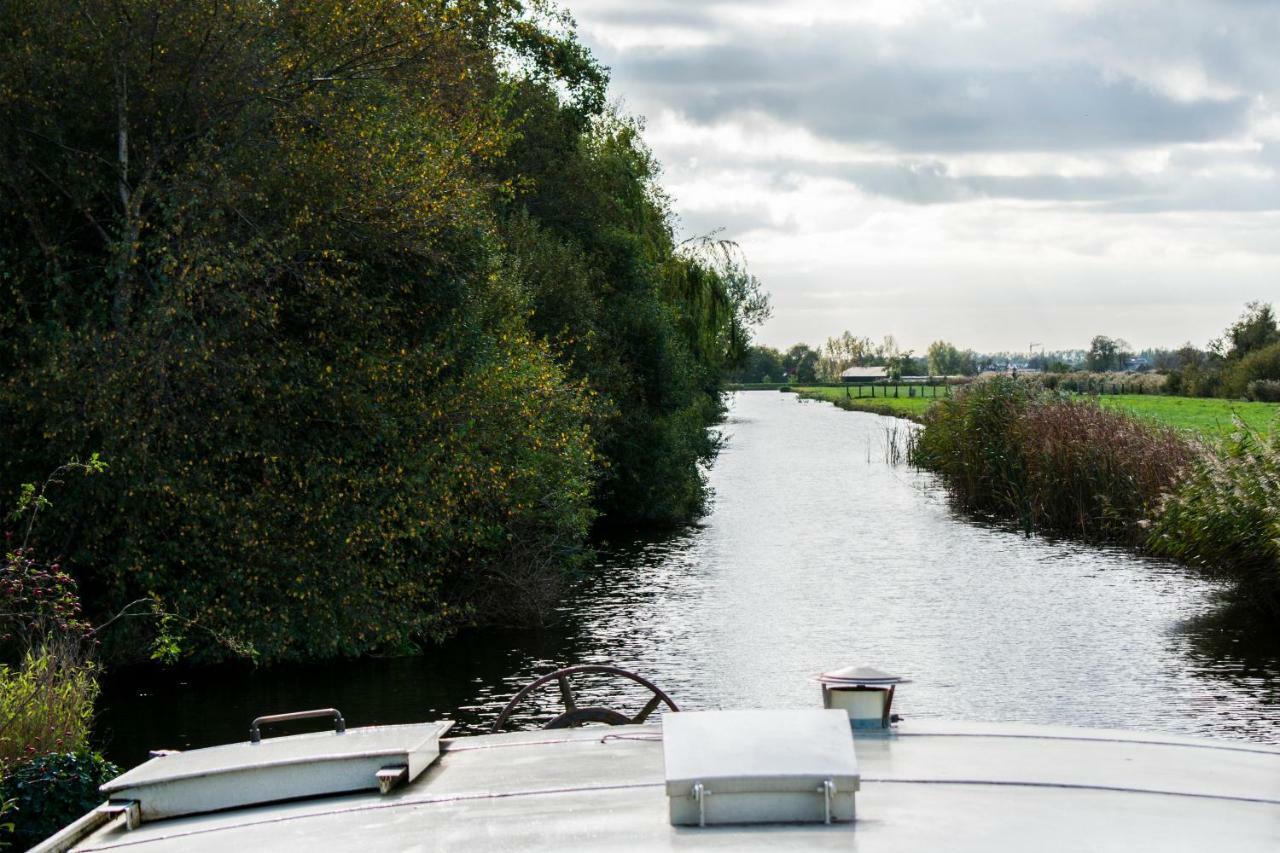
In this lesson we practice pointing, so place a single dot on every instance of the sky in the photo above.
(989, 173)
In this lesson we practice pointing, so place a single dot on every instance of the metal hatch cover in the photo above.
(280, 768)
(727, 767)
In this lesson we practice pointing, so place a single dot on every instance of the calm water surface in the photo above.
(817, 554)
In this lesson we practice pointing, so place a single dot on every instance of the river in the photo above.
(817, 553)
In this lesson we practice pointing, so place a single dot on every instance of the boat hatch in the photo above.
(727, 767)
(271, 769)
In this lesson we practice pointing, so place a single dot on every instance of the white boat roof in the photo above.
(929, 785)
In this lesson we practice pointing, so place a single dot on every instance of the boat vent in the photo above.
(280, 768)
(727, 767)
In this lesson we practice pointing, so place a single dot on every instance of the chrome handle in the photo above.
(339, 724)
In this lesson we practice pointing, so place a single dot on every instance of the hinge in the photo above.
(390, 777)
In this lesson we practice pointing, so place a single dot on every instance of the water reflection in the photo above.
(816, 554)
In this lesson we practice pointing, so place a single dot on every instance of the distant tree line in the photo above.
(373, 309)
(1243, 363)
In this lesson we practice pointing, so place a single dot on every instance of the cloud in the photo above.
(968, 155)
(844, 97)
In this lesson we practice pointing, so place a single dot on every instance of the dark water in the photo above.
(817, 554)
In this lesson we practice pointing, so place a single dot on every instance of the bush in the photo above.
(1053, 464)
(1262, 365)
(1225, 517)
(50, 791)
(46, 704)
(1264, 391)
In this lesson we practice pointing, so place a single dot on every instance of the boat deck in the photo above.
(927, 786)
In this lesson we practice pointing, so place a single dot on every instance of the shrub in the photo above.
(47, 681)
(1262, 365)
(1264, 390)
(50, 791)
(1225, 516)
(1051, 463)
(46, 704)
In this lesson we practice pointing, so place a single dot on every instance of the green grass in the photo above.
(1206, 416)
(901, 406)
(1209, 417)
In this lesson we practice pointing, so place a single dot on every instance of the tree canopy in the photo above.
(372, 307)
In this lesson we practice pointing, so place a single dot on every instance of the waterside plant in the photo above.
(1055, 464)
(1225, 516)
(1067, 466)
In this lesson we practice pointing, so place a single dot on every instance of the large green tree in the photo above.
(365, 360)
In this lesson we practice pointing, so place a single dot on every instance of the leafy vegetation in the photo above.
(1070, 466)
(373, 307)
(52, 790)
(1223, 516)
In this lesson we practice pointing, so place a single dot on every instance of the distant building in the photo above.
(1137, 364)
(855, 375)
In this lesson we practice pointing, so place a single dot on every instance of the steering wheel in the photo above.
(575, 716)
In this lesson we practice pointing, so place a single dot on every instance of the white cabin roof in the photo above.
(865, 373)
(929, 785)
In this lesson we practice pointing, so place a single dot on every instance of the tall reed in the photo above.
(1225, 517)
(1051, 463)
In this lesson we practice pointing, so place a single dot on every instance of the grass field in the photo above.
(901, 406)
(1208, 417)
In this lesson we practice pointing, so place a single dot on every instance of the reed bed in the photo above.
(1225, 516)
(1084, 382)
(1054, 464)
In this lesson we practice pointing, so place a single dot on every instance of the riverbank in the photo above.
(811, 536)
(900, 401)
(1204, 417)
(1104, 474)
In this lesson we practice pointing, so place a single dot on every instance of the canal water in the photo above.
(817, 553)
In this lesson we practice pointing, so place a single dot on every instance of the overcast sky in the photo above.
(991, 173)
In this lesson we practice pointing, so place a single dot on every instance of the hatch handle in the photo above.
(339, 724)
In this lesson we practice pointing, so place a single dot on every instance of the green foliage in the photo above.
(1256, 329)
(903, 401)
(1106, 354)
(646, 323)
(50, 791)
(371, 306)
(1259, 365)
(760, 364)
(801, 363)
(944, 359)
(1224, 517)
(46, 704)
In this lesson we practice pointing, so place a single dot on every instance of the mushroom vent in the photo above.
(734, 767)
(863, 692)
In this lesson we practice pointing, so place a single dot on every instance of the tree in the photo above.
(841, 353)
(761, 364)
(1256, 329)
(373, 307)
(1106, 354)
(801, 362)
(943, 359)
